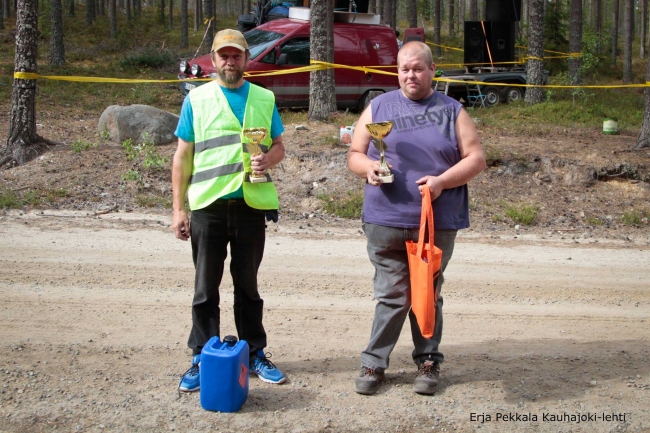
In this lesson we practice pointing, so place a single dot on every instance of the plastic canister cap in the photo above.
(231, 340)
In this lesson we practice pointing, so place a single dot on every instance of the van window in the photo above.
(260, 40)
(297, 51)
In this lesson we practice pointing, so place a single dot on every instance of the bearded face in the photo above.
(230, 74)
(230, 64)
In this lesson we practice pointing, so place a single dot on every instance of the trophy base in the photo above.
(255, 179)
(387, 179)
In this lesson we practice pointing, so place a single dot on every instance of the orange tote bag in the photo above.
(424, 267)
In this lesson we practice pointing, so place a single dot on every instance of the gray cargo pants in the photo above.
(387, 252)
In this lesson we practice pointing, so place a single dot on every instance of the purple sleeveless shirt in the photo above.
(422, 142)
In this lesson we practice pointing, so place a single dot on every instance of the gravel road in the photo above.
(542, 333)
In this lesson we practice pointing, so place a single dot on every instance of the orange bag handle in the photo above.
(426, 217)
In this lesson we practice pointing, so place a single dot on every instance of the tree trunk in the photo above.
(171, 14)
(23, 144)
(615, 32)
(575, 41)
(137, 8)
(71, 8)
(184, 24)
(413, 13)
(598, 25)
(372, 6)
(643, 27)
(90, 12)
(451, 18)
(436, 28)
(161, 12)
(2, 12)
(208, 14)
(388, 13)
(128, 8)
(535, 64)
(473, 10)
(112, 17)
(628, 28)
(321, 83)
(643, 141)
(461, 14)
(57, 50)
(197, 14)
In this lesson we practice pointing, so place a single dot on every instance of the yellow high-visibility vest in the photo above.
(221, 158)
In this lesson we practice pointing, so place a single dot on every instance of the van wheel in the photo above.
(366, 98)
(492, 96)
(514, 94)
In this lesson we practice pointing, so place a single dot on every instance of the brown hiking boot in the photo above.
(368, 381)
(426, 381)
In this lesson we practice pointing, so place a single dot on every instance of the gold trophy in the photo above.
(255, 135)
(380, 130)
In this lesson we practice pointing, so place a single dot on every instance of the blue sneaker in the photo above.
(265, 369)
(191, 380)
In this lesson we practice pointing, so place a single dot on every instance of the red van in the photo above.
(284, 44)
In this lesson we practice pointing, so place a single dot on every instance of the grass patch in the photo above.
(566, 111)
(145, 158)
(594, 221)
(348, 206)
(521, 213)
(9, 200)
(152, 200)
(80, 146)
(635, 217)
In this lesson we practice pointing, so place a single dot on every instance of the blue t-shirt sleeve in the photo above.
(185, 128)
(277, 127)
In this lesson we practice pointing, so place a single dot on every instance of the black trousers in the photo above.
(212, 229)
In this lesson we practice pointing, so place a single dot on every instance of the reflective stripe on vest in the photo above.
(221, 159)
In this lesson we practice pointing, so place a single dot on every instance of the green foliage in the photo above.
(348, 206)
(555, 31)
(563, 111)
(132, 175)
(635, 217)
(9, 199)
(521, 213)
(151, 200)
(146, 157)
(80, 145)
(149, 57)
(594, 221)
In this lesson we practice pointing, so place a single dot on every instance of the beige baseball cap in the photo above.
(229, 38)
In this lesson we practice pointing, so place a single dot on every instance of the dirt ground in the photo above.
(545, 324)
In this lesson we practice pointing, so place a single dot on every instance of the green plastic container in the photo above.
(610, 126)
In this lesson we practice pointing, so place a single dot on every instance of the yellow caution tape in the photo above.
(444, 46)
(315, 66)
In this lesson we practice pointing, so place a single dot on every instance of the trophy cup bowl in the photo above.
(380, 130)
(255, 136)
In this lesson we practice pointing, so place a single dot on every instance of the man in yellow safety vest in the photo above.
(212, 168)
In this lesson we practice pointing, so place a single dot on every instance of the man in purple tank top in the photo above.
(433, 144)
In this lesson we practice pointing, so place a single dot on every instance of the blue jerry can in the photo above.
(224, 374)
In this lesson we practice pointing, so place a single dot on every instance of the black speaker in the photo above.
(475, 39)
(485, 40)
(502, 10)
(502, 41)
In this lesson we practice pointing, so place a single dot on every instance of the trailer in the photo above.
(505, 88)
